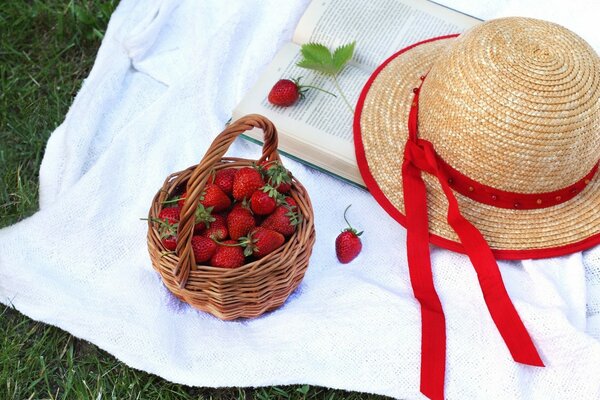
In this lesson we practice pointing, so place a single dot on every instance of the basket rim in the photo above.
(226, 162)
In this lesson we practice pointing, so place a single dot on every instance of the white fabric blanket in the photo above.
(165, 81)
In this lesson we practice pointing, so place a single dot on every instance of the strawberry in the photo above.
(290, 202)
(203, 248)
(261, 241)
(285, 92)
(284, 219)
(264, 200)
(240, 221)
(170, 242)
(167, 232)
(245, 182)
(348, 244)
(217, 229)
(170, 214)
(203, 218)
(228, 255)
(277, 175)
(224, 180)
(214, 197)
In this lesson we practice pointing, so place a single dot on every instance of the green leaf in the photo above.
(342, 55)
(316, 52)
(316, 57)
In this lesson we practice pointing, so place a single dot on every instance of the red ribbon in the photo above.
(419, 155)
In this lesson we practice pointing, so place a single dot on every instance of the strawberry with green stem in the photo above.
(276, 175)
(286, 92)
(285, 219)
(348, 244)
(261, 241)
(217, 229)
(167, 231)
(319, 58)
(203, 218)
(228, 255)
(213, 196)
(264, 200)
(203, 215)
(171, 214)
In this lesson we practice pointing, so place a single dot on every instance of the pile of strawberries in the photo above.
(243, 215)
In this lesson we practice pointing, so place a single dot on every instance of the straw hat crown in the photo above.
(514, 104)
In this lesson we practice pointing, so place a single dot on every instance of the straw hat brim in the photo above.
(380, 134)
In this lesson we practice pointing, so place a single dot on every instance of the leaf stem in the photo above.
(345, 219)
(322, 90)
(337, 85)
(173, 200)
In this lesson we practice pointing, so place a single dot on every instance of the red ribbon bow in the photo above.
(419, 155)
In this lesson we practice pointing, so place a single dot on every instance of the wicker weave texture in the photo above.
(243, 292)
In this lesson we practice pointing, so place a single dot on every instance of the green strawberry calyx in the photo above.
(165, 229)
(272, 192)
(277, 174)
(204, 214)
(295, 217)
(249, 244)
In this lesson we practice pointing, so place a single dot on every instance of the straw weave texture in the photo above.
(513, 103)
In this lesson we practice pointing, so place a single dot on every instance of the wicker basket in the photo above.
(254, 288)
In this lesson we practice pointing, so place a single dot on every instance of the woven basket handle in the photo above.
(199, 177)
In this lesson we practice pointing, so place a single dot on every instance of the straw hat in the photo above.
(512, 104)
(485, 143)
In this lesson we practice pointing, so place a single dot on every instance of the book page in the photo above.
(319, 118)
(318, 129)
(379, 27)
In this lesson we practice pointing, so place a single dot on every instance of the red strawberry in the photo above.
(284, 93)
(203, 218)
(228, 255)
(203, 248)
(170, 242)
(217, 229)
(224, 180)
(170, 214)
(261, 241)
(262, 202)
(245, 181)
(277, 176)
(168, 233)
(214, 197)
(284, 219)
(240, 221)
(348, 244)
(290, 202)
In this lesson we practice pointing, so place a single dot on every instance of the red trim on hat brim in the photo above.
(383, 201)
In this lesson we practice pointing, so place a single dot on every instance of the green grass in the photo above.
(46, 49)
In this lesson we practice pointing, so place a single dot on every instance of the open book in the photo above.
(317, 130)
